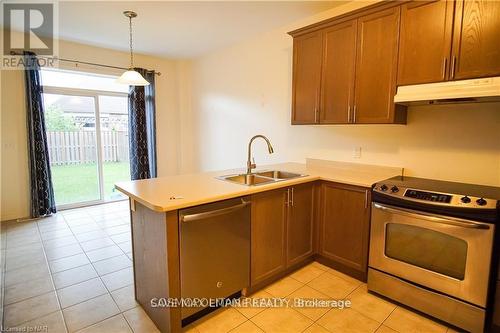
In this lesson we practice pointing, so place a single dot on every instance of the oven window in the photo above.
(429, 249)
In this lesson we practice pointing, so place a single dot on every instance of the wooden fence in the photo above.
(79, 147)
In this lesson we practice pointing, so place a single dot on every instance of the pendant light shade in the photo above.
(131, 77)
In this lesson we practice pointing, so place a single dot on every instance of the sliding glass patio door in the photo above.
(113, 124)
(87, 134)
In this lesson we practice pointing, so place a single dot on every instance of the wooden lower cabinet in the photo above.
(300, 224)
(282, 230)
(291, 225)
(268, 237)
(344, 227)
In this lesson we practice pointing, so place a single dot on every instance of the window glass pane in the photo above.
(429, 249)
(80, 80)
(71, 136)
(114, 142)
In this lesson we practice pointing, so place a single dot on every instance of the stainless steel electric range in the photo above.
(431, 247)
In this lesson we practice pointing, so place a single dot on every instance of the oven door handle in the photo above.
(433, 217)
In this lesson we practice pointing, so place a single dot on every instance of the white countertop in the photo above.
(176, 192)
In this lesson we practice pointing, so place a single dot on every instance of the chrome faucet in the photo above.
(251, 165)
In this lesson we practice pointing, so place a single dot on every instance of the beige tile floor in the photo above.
(73, 273)
(368, 313)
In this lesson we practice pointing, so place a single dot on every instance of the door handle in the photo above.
(433, 217)
(445, 63)
(213, 213)
(452, 67)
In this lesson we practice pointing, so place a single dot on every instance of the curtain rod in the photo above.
(88, 63)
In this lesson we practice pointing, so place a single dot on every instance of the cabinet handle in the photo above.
(348, 113)
(316, 114)
(354, 114)
(445, 63)
(287, 202)
(453, 62)
(366, 199)
(292, 197)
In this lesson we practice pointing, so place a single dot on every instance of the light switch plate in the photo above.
(357, 152)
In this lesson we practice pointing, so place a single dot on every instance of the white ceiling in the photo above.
(178, 29)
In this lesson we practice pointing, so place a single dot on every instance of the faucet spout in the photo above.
(270, 148)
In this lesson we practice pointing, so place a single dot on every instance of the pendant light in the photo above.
(131, 77)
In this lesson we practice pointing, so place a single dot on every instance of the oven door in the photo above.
(446, 254)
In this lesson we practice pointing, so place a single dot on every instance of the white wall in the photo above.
(14, 158)
(246, 89)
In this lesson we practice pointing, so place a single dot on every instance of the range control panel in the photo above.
(428, 196)
(434, 198)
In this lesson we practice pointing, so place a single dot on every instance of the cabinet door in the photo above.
(337, 83)
(476, 39)
(300, 223)
(425, 41)
(344, 225)
(268, 241)
(307, 51)
(376, 67)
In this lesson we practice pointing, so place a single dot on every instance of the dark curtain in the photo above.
(42, 192)
(142, 133)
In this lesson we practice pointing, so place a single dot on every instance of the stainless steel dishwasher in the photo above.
(214, 250)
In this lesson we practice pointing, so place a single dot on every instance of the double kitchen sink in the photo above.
(260, 178)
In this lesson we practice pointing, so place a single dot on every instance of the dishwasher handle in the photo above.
(214, 213)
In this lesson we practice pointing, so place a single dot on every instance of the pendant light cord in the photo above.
(131, 50)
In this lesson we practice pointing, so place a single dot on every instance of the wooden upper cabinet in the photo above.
(300, 223)
(346, 69)
(425, 41)
(307, 51)
(476, 39)
(268, 239)
(376, 68)
(337, 82)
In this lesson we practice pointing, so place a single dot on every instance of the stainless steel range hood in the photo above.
(463, 91)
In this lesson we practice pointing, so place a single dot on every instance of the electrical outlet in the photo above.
(8, 145)
(357, 152)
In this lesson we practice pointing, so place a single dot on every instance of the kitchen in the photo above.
(361, 147)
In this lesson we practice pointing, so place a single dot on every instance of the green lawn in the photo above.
(77, 183)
